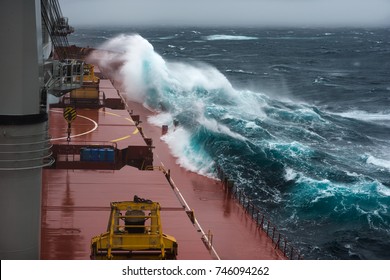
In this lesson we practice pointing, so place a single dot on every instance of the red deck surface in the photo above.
(75, 203)
(75, 206)
(96, 126)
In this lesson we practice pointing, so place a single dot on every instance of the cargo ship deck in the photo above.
(77, 192)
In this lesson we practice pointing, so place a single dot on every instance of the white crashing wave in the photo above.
(365, 116)
(382, 163)
(229, 37)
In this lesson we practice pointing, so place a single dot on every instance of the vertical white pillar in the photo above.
(23, 129)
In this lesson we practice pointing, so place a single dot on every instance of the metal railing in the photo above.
(25, 155)
(62, 77)
(71, 155)
(262, 221)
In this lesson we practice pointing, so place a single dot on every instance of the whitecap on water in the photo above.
(229, 37)
(382, 163)
(290, 174)
(383, 190)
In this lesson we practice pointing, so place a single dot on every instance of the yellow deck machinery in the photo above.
(89, 91)
(134, 232)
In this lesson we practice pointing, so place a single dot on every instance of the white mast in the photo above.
(24, 143)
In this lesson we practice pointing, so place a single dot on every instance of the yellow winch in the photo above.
(134, 232)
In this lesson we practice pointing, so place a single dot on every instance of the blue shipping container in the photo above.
(110, 155)
(97, 154)
(94, 154)
(85, 154)
(102, 154)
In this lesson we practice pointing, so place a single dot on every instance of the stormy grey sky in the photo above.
(228, 12)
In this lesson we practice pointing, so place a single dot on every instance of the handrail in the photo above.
(208, 239)
(87, 143)
(261, 220)
(26, 156)
(48, 163)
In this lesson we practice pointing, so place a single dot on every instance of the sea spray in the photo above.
(146, 73)
(176, 91)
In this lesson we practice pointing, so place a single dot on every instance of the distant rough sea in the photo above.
(299, 118)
